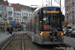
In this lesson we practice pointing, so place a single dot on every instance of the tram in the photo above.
(45, 26)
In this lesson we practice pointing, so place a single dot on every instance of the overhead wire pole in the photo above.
(60, 4)
(42, 2)
(51, 2)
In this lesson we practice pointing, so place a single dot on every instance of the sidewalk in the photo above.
(4, 37)
(69, 40)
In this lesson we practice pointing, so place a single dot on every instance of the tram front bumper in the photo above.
(50, 43)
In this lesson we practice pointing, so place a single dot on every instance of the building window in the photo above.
(73, 16)
(26, 14)
(67, 17)
(73, 23)
(66, 10)
(0, 8)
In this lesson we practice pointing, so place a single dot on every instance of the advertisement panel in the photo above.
(46, 27)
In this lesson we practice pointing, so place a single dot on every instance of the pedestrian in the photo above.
(7, 30)
(11, 30)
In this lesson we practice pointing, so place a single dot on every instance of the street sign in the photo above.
(13, 22)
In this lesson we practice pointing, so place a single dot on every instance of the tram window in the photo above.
(30, 25)
(52, 19)
(40, 25)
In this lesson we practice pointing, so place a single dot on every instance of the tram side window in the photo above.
(36, 23)
(40, 20)
(40, 24)
(30, 25)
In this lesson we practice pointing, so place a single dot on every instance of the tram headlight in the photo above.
(41, 34)
(61, 34)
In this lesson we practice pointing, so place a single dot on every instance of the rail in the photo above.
(22, 43)
(7, 43)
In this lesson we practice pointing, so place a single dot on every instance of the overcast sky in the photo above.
(37, 2)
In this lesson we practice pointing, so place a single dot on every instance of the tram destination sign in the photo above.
(46, 11)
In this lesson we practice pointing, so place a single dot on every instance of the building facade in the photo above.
(1, 14)
(70, 13)
(9, 13)
(17, 17)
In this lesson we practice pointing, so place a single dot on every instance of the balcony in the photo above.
(24, 16)
(9, 11)
(11, 18)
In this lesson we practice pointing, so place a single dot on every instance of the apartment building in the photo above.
(9, 13)
(26, 12)
(17, 17)
(19, 13)
(70, 13)
(1, 14)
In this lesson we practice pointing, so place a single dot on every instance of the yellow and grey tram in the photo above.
(45, 26)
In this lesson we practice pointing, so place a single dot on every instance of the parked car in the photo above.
(19, 29)
(24, 29)
(64, 32)
(73, 33)
(68, 32)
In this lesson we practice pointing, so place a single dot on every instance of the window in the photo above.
(73, 0)
(67, 17)
(66, 10)
(26, 14)
(73, 16)
(0, 8)
(73, 8)
(73, 23)
(50, 21)
(67, 3)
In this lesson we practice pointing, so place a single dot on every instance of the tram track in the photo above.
(33, 46)
(16, 43)
(23, 42)
(7, 43)
(29, 45)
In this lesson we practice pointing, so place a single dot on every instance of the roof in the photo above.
(4, 2)
(20, 6)
(45, 6)
(15, 6)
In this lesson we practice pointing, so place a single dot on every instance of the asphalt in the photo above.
(69, 41)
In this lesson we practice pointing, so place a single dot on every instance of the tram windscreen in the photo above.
(51, 19)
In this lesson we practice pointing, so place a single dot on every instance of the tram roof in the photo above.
(45, 6)
(49, 6)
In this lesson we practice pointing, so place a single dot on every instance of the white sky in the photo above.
(37, 2)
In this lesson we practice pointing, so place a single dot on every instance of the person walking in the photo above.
(11, 30)
(7, 30)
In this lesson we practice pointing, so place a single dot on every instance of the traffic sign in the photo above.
(13, 22)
